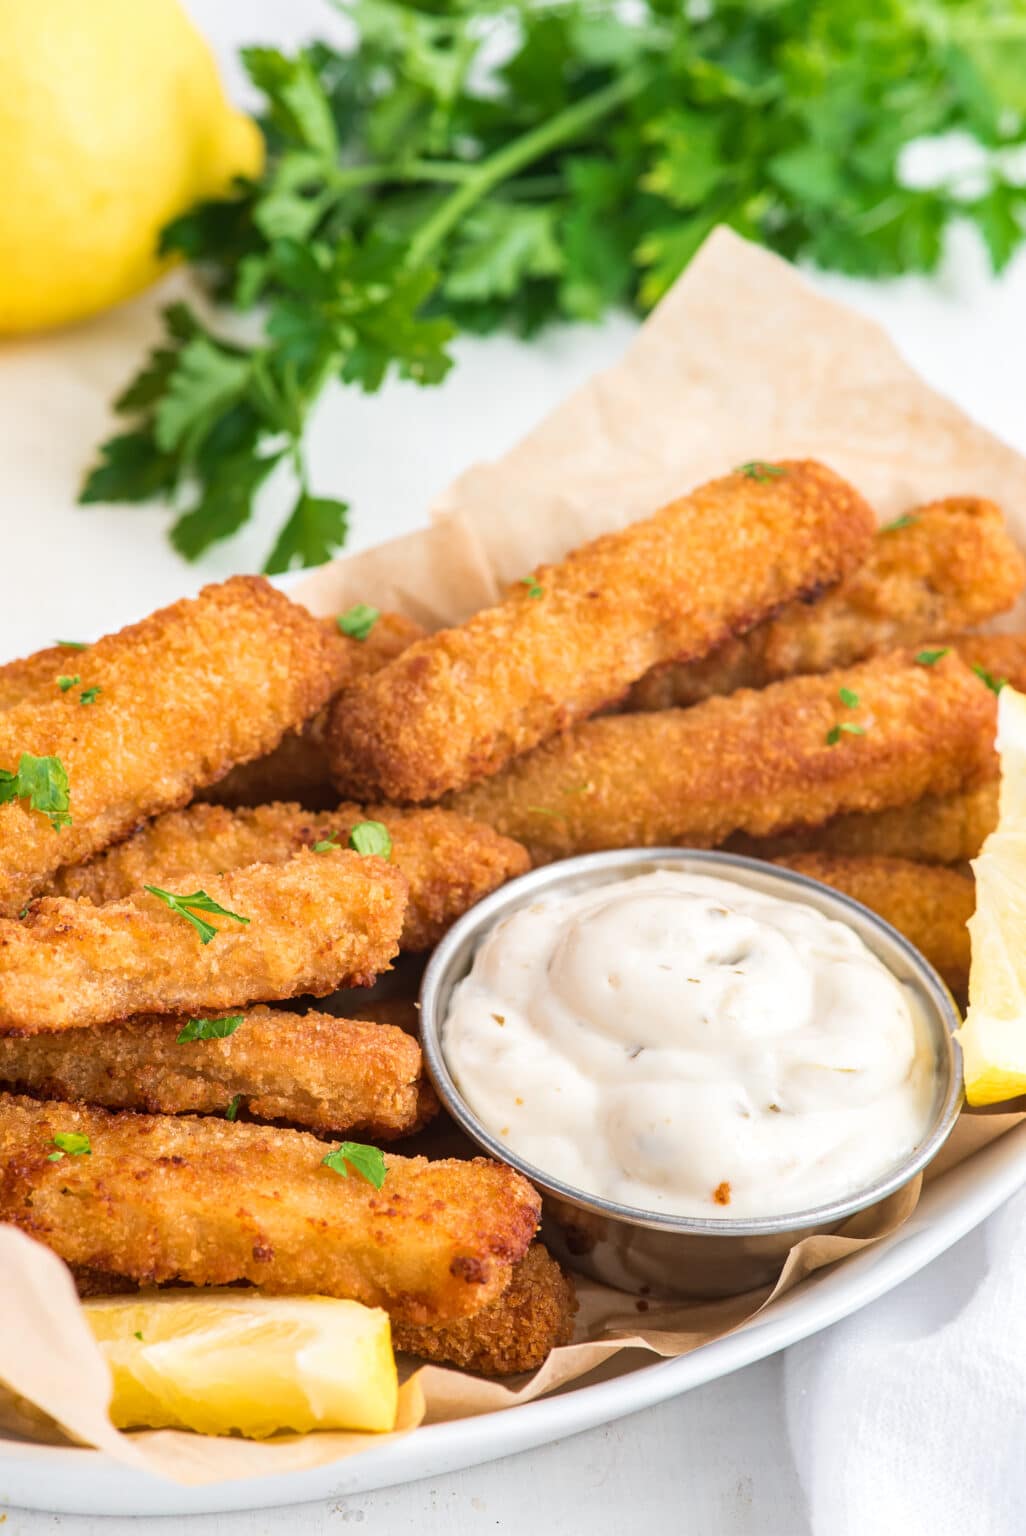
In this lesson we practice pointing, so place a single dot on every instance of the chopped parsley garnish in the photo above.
(72, 645)
(995, 684)
(930, 658)
(834, 734)
(358, 621)
(371, 837)
(368, 1162)
(43, 782)
(188, 906)
(759, 470)
(326, 843)
(904, 521)
(89, 695)
(233, 1107)
(533, 585)
(138, 1335)
(73, 1143)
(849, 699)
(210, 1029)
(64, 683)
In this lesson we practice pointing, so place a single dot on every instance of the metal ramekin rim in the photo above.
(942, 1017)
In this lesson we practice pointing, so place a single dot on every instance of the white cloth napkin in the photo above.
(910, 1416)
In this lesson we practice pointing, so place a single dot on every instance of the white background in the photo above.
(720, 1460)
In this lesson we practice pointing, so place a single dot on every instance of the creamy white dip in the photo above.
(688, 1045)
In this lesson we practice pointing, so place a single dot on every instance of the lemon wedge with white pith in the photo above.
(224, 1362)
(993, 1037)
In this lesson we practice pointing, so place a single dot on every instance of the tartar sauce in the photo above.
(687, 1045)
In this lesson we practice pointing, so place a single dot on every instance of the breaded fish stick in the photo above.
(159, 1198)
(298, 768)
(952, 564)
(571, 638)
(939, 829)
(325, 1074)
(757, 762)
(161, 708)
(1002, 657)
(928, 904)
(534, 1314)
(317, 922)
(449, 861)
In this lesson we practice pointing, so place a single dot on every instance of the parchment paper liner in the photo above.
(741, 361)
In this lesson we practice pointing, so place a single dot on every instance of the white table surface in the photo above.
(718, 1460)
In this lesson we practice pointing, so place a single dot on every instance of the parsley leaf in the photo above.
(72, 645)
(233, 1107)
(188, 906)
(533, 585)
(210, 1029)
(849, 699)
(326, 843)
(930, 658)
(43, 782)
(906, 520)
(371, 837)
(316, 529)
(64, 683)
(995, 684)
(845, 727)
(368, 1162)
(89, 695)
(757, 470)
(70, 1143)
(358, 621)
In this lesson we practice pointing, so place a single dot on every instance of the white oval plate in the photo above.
(70, 1481)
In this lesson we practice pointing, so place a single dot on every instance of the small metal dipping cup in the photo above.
(689, 1256)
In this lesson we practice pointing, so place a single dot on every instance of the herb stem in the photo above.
(444, 171)
(506, 162)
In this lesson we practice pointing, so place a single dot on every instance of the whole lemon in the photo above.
(112, 121)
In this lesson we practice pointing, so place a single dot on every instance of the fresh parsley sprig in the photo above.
(189, 906)
(371, 837)
(368, 1162)
(43, 782)
(415, 188)
(209, 1029)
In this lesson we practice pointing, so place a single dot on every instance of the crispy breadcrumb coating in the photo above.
(160, 1198)
(952, 565)
(183, 696)
(758, 762)
(298, 768)
(930, 905)
(449, 861)
(534, 1314)
(324, 1074)
(571, 638)
(938, 829)
(315, 923)
(1002, 657)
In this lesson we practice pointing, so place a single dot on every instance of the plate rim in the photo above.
(80, 1481)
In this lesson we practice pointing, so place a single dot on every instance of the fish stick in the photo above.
(757, 761)
(298, 768)
(930, 905)
(449, 861)
(1001, 657)
(317, 922)
(938, 829)
(951, 565)
(325, 1074)
(180, 698)
(457, 706)
(534, 1314)
(161, 1198)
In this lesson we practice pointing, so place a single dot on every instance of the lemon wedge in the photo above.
(993, 1037)
(220, 1361)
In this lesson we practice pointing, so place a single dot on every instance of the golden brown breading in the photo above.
(952, 565)
(534, 1314)
(460, 704)
(1002, 657)
(317, 922)
(939, 829)
(449, 861)
(930, 905)
(183, 696)
(32, 674)
(298, 768)
(757, 762)
(161, 1198)
(325, 1074)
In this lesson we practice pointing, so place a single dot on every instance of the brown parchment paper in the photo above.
(741, 361)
